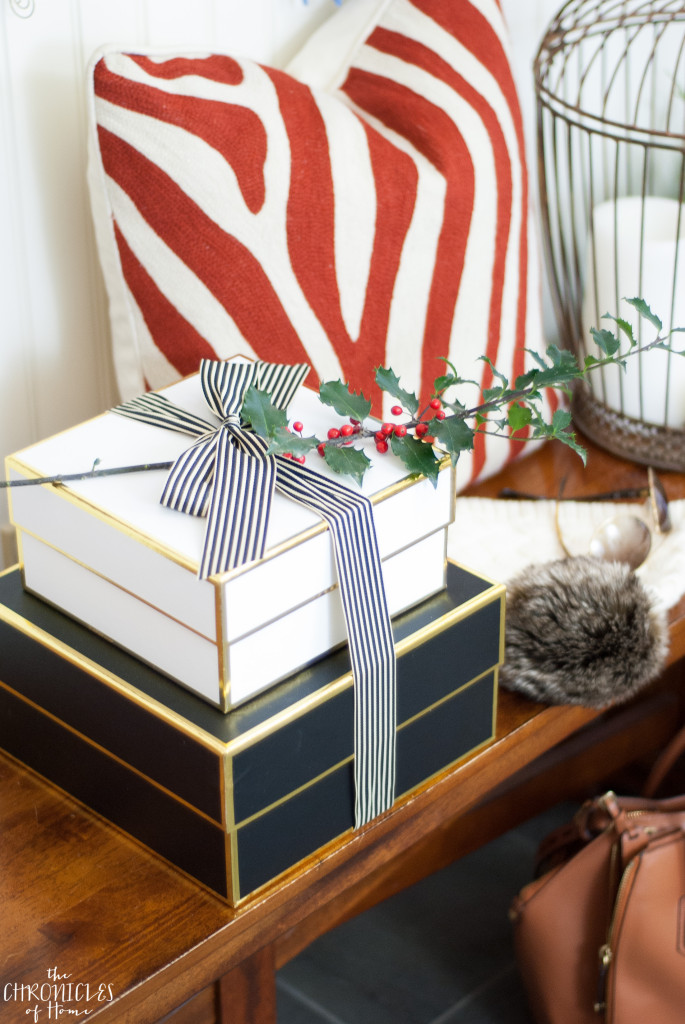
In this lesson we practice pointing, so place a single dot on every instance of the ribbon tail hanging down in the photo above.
(350, 518)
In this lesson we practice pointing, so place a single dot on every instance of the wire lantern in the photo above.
(610, 96)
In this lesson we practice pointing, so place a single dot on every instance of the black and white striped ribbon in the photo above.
(224, 470)
(227, 476)
(350, 518)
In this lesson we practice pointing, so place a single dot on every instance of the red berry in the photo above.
(440, 414)
(287, 455)
(356, 429)
(333, 433)
(421, 429)
(297, 426)
(300, 459)
(379, 435)
(396, 410)
(429, 439)
(435, 403)
(400, 430)
(387, 429)
(347, 429)
(354, 421)
(321, 448)
(382, 447)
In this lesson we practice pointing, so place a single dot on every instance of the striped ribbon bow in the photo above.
(227, 476)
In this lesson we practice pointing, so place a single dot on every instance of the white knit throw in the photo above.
(499, 538)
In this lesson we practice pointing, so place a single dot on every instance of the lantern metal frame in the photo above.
(610, 101)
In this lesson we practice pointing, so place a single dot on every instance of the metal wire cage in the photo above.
(610, 95)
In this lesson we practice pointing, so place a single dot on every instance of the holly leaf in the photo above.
(519, 417)
(569, 439)
(495, 372)
(622, 325)
(558, 430)
(346, 402)
(537, 357)
(643, 309)
(264, 418)
(561, 370)
(390, 383)
(347, 461)
(449, 380)
(606, 341)
(455, 405)
(561, 420)
(283, 441)
(669, 348)
(418, 456)
(525, 380)
(454, 435)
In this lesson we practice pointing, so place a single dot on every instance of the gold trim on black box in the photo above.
(229, 828)
(413, 791)
(346, 760)
(114, 757)
(231, 747)
(230, 901)
(167, 714)
(232, 877)
(400, 799)
(443, 700)
(293, 792)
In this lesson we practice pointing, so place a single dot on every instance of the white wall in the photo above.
(55, 365)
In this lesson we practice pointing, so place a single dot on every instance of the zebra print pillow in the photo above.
(377, 215)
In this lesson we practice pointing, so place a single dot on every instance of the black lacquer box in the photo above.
(235, 800)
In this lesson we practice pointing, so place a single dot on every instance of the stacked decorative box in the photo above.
(236, 799)
(108, 553)
(233, 799)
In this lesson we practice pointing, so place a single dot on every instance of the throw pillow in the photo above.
(367, 206)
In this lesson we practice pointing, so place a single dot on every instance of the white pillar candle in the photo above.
(652, 388)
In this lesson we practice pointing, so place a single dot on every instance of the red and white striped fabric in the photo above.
(366, 207)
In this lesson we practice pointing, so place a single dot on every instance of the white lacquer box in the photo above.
(106, 552)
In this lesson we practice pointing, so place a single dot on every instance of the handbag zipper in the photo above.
(606, 953)
(605, 957)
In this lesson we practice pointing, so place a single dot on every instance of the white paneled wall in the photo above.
(55, 365)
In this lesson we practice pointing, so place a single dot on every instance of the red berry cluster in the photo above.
(386, 431)
(298, 427)
(437, 412)
(382, 436)
(347, 431)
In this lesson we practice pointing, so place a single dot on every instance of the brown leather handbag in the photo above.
(600, 933)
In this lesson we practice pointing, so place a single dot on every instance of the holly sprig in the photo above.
(444, 427)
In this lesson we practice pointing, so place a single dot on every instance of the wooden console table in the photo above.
(81, 900)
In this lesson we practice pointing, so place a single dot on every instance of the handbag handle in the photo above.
(664, 763)
(594, 815)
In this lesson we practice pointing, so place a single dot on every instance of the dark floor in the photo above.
(439, 953)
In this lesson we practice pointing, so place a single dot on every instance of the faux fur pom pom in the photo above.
(581, 631)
